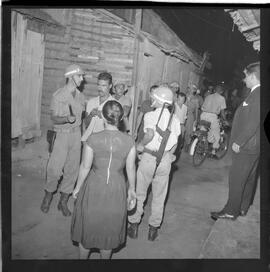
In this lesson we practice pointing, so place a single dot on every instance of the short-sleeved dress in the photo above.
(100, 212)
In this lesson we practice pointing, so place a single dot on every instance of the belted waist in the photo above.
(211, 112)
(68, 130)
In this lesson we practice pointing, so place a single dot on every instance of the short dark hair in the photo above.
(182, 95)
(105, 76)
(219, 87)
(253, 68)
(153, 87)
(113, 112)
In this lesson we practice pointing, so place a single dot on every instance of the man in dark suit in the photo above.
(245, 143)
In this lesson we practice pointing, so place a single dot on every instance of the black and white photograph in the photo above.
(135, 132)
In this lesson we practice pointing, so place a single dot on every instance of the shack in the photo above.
(134, 45)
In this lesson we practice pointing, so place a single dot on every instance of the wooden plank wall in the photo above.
(92, 41)
(99, 44)
(27, 74)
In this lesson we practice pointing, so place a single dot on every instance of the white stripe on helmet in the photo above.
(72, 72)
(162, 99)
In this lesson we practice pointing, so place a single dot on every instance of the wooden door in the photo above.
(27, 77)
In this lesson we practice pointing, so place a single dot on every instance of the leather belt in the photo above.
(153, 153)
(67, 130)
(210, 112)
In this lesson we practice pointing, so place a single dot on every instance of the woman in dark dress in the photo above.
(100, 212)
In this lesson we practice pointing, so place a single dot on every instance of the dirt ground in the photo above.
(193, 193)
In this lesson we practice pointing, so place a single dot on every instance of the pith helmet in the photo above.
(73, 69)
(163, 95)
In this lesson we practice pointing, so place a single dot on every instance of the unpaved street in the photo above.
(194, 192)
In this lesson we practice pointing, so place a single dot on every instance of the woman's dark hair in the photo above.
(113, 112)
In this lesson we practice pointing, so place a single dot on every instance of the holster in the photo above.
(51, 135)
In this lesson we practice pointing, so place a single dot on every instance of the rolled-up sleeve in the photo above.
(149, 121)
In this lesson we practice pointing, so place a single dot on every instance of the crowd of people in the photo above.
(107, 167)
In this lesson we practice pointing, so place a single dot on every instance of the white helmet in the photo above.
(73, 69)
(162, 95)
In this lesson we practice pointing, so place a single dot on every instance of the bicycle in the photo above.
(200, 148)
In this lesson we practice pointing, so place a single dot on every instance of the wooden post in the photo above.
(134, 80)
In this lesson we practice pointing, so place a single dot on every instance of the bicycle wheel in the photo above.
(223, 147)
(200, 152)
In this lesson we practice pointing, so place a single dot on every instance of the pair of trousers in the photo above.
(159, 182)
(64, 160)
(243, 177)
(214, 129)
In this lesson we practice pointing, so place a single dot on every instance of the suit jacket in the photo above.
(246, 124)
(267, 126)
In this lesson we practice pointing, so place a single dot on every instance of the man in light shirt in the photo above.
(213, 105)
(93, 120)
(181, 113)
(125, 101)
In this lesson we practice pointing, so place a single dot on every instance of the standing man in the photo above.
(146, 171)
(245, 140)
(93, 120)
(213, 105)
(125, 101)
(181, 114)
(67, 106)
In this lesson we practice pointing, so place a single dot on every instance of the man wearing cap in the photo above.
(125, 101)
(146, 173)
(94, 121)
(67, 106)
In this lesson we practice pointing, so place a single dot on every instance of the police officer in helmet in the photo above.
(67, 106)
(147, 173)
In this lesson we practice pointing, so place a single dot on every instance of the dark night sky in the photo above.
(210, 29)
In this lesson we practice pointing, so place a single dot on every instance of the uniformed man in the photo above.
(93, 120)
(67, 106)
(213, 105)
(146, 171)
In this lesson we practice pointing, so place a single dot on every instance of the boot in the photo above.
(153, 233)
(132, 230)
(46, 202)
(62, 205)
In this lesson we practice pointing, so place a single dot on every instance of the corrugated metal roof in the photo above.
(248, 22)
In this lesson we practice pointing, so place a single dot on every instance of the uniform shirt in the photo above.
(96, 124)
(181, 113)
(214, 103)
(150, 121)
(60, 102)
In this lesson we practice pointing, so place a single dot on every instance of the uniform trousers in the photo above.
(159, 182)
(214, 129)
(64, 160)
(243, 179)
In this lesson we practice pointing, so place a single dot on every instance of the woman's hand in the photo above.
(172, 157)
(75, 193)
(131, 200)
